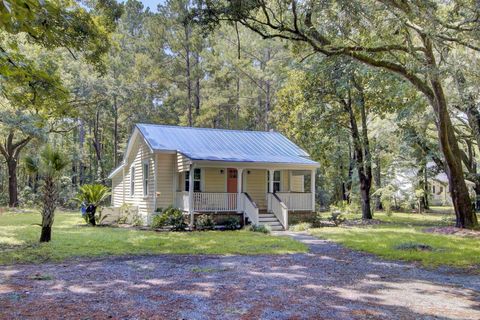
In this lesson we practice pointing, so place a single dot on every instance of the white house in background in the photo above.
(259, 176)
(439, 190)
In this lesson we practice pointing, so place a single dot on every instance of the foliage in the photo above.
(345, 208)
(262, 228)
(317, 220)
(92, 194)
(387, 195)
(171, 217)
(304, 226)
(205, 222)
(231, 223)
(337, 217)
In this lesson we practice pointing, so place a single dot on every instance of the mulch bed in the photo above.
(454, 231)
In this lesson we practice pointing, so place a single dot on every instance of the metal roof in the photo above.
(224, 145)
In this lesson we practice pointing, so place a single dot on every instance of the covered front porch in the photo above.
(249, 189)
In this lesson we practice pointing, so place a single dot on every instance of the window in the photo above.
(276, 181)
(132, 180)
(197, 178)
(433, 189)
(145, 178)
(441, 189)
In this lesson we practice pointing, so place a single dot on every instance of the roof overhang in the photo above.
(254, 165)
(116, 171)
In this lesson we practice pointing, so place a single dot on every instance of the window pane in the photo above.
(276, 176)
(196, 186)
(197, 174)
(276, 186)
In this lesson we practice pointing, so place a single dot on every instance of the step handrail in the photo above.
(281, 212)
(250, 208)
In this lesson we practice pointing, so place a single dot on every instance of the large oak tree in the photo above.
(408, 38)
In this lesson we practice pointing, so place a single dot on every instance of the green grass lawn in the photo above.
(403, 228)
(70, 238)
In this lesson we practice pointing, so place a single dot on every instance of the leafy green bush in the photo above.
(304, 226)
(171, 217)
(346, 208)
(205, 222)
(231, 223)
(260, 228)
(317, 220)
(337, 218)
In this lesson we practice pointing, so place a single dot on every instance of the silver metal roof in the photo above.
(224, 145)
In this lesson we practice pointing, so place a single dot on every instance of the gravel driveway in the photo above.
(329, 282)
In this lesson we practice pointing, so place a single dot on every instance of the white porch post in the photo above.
(270, 188)
(239, 189)
(289, 180)
(270, 181)
(190, 194)
(312, 188)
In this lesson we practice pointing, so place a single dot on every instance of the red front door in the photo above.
(231, 180)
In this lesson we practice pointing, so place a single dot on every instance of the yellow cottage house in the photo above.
(262, 177)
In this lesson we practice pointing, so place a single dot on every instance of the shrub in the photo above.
(337, 218)
(317, 220)
(260, 228)
(231, 223)
(205, 221)
(171, 217)
(304, 226)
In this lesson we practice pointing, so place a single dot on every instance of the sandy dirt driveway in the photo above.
(330, 282)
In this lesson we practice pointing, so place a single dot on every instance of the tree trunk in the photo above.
(378, 183)
(12, 183)
(364, 172)
(46, 234)
(115, 131)
(50, 195)
(11, 152)
(188, 73)
(465, 214)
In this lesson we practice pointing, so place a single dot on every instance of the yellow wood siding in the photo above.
(256, 186)
(117, 190)
(214, 180)
(284, 180)
(140, 154)
(182, 163)
(297, 184)
(165, 179)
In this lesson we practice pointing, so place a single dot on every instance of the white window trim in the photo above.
(281, 180)
(187, 176)
(147, 191)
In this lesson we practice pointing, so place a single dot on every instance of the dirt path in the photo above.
(329, 282)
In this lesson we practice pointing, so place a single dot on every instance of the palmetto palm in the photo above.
(92, 195)
(52, 162)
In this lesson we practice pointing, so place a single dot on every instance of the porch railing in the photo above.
(279, 209)
(213, 201)
(250, 208)
(296, 200)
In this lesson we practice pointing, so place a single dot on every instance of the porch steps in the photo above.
(270, 220)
